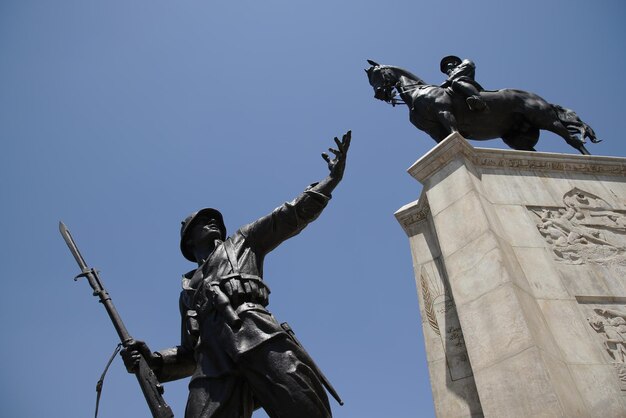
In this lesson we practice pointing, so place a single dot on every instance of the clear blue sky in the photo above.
(120, 118)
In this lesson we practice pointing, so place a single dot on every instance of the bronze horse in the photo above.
(516, 116)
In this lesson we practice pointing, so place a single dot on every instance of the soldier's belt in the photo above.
(249, 306)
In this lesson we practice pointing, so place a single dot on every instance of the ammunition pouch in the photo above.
(227, 296)
(245, 288)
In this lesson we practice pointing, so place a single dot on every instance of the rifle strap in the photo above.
(101, 380)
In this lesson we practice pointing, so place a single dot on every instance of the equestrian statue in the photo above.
(461, 105)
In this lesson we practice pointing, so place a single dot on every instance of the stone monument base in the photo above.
(520, 266)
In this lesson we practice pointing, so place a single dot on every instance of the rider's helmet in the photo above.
(447, 60)
(189, 222)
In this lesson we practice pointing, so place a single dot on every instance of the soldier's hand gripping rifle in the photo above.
(150, 386)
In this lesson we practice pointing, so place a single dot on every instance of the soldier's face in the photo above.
(204, 231)
(450, 66)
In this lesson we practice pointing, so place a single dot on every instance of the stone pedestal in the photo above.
(520, 266)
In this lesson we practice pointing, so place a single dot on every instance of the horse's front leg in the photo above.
(447, 121)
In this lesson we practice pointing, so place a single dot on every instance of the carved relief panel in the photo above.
(584, 230)
(587, 232)
(608, 321)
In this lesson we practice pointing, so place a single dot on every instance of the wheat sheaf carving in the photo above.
(428, 303)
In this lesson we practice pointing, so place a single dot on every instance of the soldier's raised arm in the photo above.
(290, 218)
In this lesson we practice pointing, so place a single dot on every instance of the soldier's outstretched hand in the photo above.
(337, 164)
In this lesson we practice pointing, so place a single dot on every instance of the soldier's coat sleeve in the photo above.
(285, 221)
(179, 362)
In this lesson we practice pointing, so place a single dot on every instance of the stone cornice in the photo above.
(411, 214)
(455, 145)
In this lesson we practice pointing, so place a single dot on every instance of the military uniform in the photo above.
(464, 72)
(461, 81)
(238, 353)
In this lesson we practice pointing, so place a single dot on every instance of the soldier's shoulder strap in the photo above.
(232, 257)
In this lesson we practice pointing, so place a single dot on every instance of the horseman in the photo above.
(516, 116)
(461, 80)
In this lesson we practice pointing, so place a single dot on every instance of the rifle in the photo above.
(150, 386)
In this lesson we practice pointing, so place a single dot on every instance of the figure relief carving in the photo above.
(441, 315)
(585, 230)
(611, 325)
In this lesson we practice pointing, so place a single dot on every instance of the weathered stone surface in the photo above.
(494, 327)
(509, 187)
(599, 391)
(422, 249)
(564, 384)
(614, 276)
(454, 181)
(616, 190)
(542, 336)
(543, 277)
(476, 268)
(570, 333)
(519, 229)
(461, 398)
(502, 393)
(580, 280)
(491, 216)
(520, 266)
(453, 229)
(514, 269)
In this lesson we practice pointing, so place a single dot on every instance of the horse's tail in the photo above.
(574, 124)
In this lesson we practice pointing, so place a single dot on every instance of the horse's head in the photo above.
(383, 80)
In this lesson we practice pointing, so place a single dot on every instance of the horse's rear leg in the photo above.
(558, 128)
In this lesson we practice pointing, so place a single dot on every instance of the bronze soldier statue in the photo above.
(461, 80)
(238, 356)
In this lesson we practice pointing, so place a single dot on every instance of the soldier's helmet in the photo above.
(191, 220)
(447, 60)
